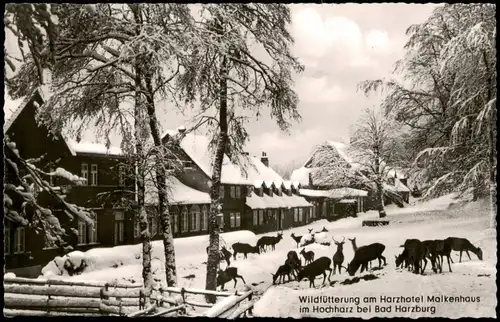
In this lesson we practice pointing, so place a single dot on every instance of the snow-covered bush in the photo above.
(307, 239)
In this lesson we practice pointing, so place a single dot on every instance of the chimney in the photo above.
(181, 129)
(264, 159)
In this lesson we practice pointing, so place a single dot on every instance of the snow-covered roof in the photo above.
(93, 148)
(339, 193)
(283, 201)
(178, 193)
(347, 201)
(13, 109)
(196, 146)
(397, 173)
(301, 175)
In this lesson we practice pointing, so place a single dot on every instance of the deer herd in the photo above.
(413, 257)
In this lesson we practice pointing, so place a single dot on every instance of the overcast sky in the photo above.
(340, 45)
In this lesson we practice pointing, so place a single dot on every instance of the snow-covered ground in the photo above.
(436, 219)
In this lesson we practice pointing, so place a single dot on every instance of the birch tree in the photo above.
(108, 55)
(449, 98)
(225, 77)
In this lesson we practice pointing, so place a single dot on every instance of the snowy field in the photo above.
(436, 219)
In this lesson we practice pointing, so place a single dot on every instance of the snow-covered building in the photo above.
(256, 198)
(99, 165)
(344, 200)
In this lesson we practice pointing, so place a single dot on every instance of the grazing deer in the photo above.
(338, 257)
(431, 253)
(355, 247)
(416, 254)
(230, 273)
(297, 239)
(308, 256)
(318, 267)
(464, 245)
(281, 272)
(244, 249)
(365, 254)
(293, 260)
(443, 248)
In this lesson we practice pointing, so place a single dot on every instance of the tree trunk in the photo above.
(147, 275)
(161, 178)
(379, 194)
(216, 202)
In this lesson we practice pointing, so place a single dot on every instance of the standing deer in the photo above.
(355, 248)
(365, 254)
(308, 256)
(293, 260)
(296, 239)
(230, 273)
(338, 257)
(464, 245)
(265, 241)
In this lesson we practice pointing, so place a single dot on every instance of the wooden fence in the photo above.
(39, 297)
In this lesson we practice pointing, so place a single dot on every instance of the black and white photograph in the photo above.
(241, 160)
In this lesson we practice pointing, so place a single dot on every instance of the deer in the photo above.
(308, 256)
(244, 249)
(296, 239)
(355, 247)
(431, 253)
(293, 260)
(365, 254)
(464, 245)
(281, 272)
(338, 257)
(443, 248)
(416, 254)
(230, 273)
(224, 254)
(269, 241)
(318, 267)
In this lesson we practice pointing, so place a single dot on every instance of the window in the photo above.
(185, 220)
(238, 192)
(137, 229)
(235, 219)
(249, 191)
(261, 217)
(187, 164)
(194, 218)
(6, 241)
(175, 223)
(87, 233)
(296, 214)
(85, 172)
(232, 192)
(82, 232)
(51, 177)
(204, 218)
(93, 175)
(221, 192)
(119, 227)
(19, 240)
(301, 214)
(121, 175)
(255, 217)
(153, 226)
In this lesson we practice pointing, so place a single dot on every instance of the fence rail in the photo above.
(41, 297)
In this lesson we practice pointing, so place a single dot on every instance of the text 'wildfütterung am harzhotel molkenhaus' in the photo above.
(378, 304)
